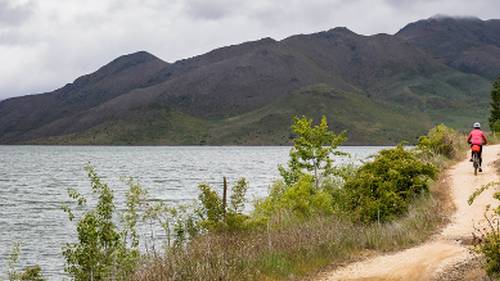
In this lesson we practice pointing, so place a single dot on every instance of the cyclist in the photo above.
(477, 137)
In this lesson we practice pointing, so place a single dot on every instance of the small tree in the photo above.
(313, 148)
(102, 252)
(494, 120)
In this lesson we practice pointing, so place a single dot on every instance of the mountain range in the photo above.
(380, 89)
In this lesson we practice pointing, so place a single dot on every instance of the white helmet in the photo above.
(477, 125)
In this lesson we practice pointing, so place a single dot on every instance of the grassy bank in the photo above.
(293, 251)
(290, 247)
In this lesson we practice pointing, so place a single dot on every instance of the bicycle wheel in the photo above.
(475, 163)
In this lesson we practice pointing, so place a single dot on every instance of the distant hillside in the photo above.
(382, 89)
(466, 44)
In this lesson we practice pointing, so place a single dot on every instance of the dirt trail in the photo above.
(427, 261)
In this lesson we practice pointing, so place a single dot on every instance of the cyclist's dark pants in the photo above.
(480, 155)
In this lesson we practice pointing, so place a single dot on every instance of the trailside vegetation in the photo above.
(487, 239)
(442, 141)
(316, 214)
(494, 120)
(319, 213)
(384, 188)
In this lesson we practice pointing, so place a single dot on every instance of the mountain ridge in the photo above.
(252, 90)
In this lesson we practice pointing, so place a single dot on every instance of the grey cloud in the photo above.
(212, 10)
(11, 38)
(12, 14)
(117, 5)
(407, 3)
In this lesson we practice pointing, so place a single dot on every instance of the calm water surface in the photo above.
(34, 179)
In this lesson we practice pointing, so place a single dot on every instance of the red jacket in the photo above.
(477, 137)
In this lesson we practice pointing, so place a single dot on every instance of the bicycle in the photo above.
(476, 161)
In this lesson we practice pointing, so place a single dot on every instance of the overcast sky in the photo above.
(45, 44)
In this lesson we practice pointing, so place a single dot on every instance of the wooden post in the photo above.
(224, 197)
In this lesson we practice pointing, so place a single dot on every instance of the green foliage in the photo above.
(213, 215)
(302, 199)
(313, 148)
(291, 248)
(178, 223)
(13, 260)
(30, 273)
(237, 197)
(235, 219)
(101, 252)
(488, 238)
(494, 120)
(135, 197)
(490, 248)
(441, 140)
(482, 189)
(383, 189)
(207, 239)
(495, 127)
(212, 210)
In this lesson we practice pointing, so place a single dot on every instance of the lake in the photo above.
(34, 179)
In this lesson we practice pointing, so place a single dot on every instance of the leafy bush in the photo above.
(310, 179)
(31, 273)
(488, 238)
(442, 140)
(489, 245)
(302, 199)
(384, 188)
(214, 213)
(179, 223)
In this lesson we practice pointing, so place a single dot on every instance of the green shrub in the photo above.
(213, 213)
(212, 209)
(302, 199)
(488, 238)
(178, 223)
(30, 273)
(489, 246)
(442, 140)
(384, 188)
